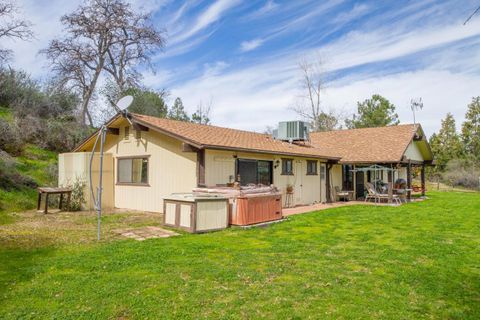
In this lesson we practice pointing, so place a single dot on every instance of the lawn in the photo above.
(417, 261)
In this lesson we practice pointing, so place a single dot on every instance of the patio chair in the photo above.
(339, 194)
(378, 197)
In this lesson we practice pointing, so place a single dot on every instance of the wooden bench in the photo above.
(48, 191)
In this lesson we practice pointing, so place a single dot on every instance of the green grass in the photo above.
(34, 163)
(417, 261)
(6, 114)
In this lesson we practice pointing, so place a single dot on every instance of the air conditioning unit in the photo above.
(293, 131)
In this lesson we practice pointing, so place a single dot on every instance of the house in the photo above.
(154, 157)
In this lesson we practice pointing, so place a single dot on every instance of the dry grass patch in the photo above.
(33, 229)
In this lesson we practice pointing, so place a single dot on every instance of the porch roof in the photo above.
(372, 145)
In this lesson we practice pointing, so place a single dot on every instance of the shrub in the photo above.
(78, 195)
(10, 139)
(462, 173)
(10, 179)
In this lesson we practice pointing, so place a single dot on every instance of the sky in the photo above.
(243, 56)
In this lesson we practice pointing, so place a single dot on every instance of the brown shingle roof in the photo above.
(207, 136)
(368, 145)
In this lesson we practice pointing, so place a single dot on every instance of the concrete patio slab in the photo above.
(143, 233)
(323, 206)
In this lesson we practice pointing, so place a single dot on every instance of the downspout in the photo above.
(327, 180)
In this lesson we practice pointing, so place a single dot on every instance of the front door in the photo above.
(298, 185)
(360, 184)
(323, 183)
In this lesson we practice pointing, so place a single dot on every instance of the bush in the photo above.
(10, 139)
(462, 173)
(10, 179)
(78, 195)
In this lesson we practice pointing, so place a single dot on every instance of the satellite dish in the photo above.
(124, 103)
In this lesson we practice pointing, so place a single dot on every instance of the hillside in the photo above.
(21, 174)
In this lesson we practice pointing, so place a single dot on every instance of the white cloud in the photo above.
(267, 8)
(357, 11)
(250, 45)
(358, 48)
(213, 13)
(259, 95)
(442, 91)
(46, 25)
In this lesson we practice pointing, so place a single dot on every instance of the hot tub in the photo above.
(253, 208)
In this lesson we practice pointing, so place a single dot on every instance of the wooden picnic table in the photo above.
(48, 191)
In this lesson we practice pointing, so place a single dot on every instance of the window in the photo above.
(264, 172)
(133, 171)
(312, 167)
(347, 177)
(254, 171)
(127, 133)
(374, 175)
(138, 134)
(323, 172)
(287, 167)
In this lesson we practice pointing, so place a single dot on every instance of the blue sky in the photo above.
(242, 56)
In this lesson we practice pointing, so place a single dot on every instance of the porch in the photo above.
(357, 181)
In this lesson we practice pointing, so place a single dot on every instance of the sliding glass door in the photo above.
(254, 171)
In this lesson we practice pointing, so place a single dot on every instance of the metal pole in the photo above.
(99, 189)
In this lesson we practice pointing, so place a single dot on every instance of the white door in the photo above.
(298, 185)
(323, 183)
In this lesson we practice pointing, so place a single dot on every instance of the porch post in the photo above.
(422, 177)
(409, 180)
(390, 185)
(201, 168)
(327, 181)
(354, 182)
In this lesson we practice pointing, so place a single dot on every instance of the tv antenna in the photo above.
(121, 108)
(416, 105)
(471, 16)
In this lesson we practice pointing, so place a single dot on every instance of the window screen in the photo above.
(347, 177)
(264, 172)
(254, 171)
(312, 167)
(247, 169)
(133, 170)
(287, 166)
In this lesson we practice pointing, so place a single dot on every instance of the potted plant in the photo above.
(289, 188)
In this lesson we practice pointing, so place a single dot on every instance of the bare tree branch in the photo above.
(99, 38)
(11, 27)
(138, 39)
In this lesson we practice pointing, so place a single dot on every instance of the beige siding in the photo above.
(401, 173)
(413, 152)
(170, 213)
(73, 167)
(220, 165)
(211, 215)
(185, 215)
(170, 170)
(336, 176)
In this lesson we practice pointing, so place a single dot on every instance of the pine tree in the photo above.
(446, 145)
(177, 111)
(471, 130)
(374, 112)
